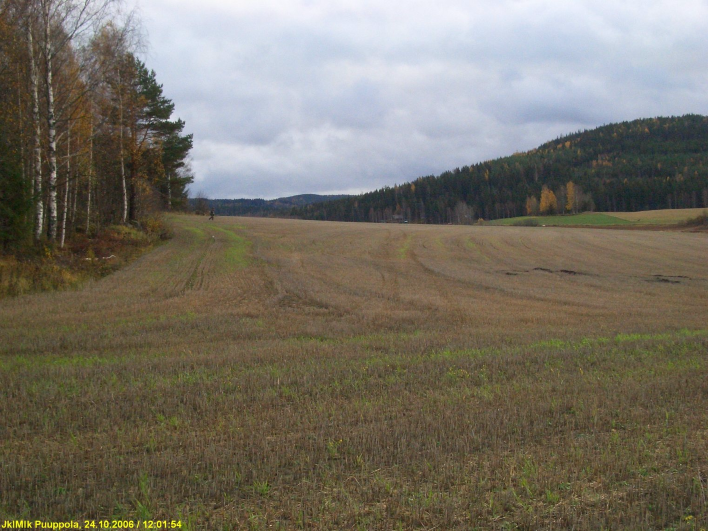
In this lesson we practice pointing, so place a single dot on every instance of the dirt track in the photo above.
(349, 275)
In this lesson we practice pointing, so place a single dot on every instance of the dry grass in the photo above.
(654, 219)
(257, 373)
(661, 217)
(53, 268)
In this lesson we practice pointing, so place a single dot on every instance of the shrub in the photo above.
(155, 226)
(528, 222)
(697, 221)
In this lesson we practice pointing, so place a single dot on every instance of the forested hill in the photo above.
(641, 165)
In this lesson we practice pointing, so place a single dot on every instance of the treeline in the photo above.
(256, 207)
(641, 165)
(87, 136)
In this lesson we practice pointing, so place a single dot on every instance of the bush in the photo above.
(18, 277)
(528, 222)
(155, 226)
(49, 268)
(125, 233)
(698, 221)
(701, 220)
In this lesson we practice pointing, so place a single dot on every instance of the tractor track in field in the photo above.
(290, 275)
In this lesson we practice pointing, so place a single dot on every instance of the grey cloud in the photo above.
(358, 105)
(302, 96)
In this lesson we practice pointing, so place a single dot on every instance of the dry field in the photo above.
(273, 374)
(685, 218)
(666, 217)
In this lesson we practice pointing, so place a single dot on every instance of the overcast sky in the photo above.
(341, 96)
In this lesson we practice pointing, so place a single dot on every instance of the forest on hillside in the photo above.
(645, 164)
(87, 137)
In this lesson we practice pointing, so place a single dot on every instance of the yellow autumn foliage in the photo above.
(549, 203)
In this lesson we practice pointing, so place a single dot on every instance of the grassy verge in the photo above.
(46, 268)
(680, 217)
(588, 218)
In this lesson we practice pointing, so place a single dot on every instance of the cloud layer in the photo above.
(325, 96)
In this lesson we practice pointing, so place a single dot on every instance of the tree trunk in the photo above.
(51, 129)
(74, 200)
(74, 197)
(133, 202)
(36, 145)
(169, 192)
(122, 156)
(66, 187)
(23, 161)
(90, 175)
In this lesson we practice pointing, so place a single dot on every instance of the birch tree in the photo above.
(36, 137)
(549, 203)
(85, 130)
(570, 197)
(111, 52)
(61, 22)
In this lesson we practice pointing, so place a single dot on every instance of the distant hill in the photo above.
(263, 207)
(645, 164)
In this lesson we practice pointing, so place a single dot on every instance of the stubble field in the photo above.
(257, 373)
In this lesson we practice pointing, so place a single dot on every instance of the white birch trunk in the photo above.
(51, 128)
(36, 145)
(66, 187)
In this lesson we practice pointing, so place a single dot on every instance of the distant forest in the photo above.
(257, 207)
(645, 164)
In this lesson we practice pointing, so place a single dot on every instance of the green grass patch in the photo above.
(197, 232)
(595, 219)
(472, 246)
(405, 248)
(238, 252)
(550, 343)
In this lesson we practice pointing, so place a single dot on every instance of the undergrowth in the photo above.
(697, 222)
(47, 268)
